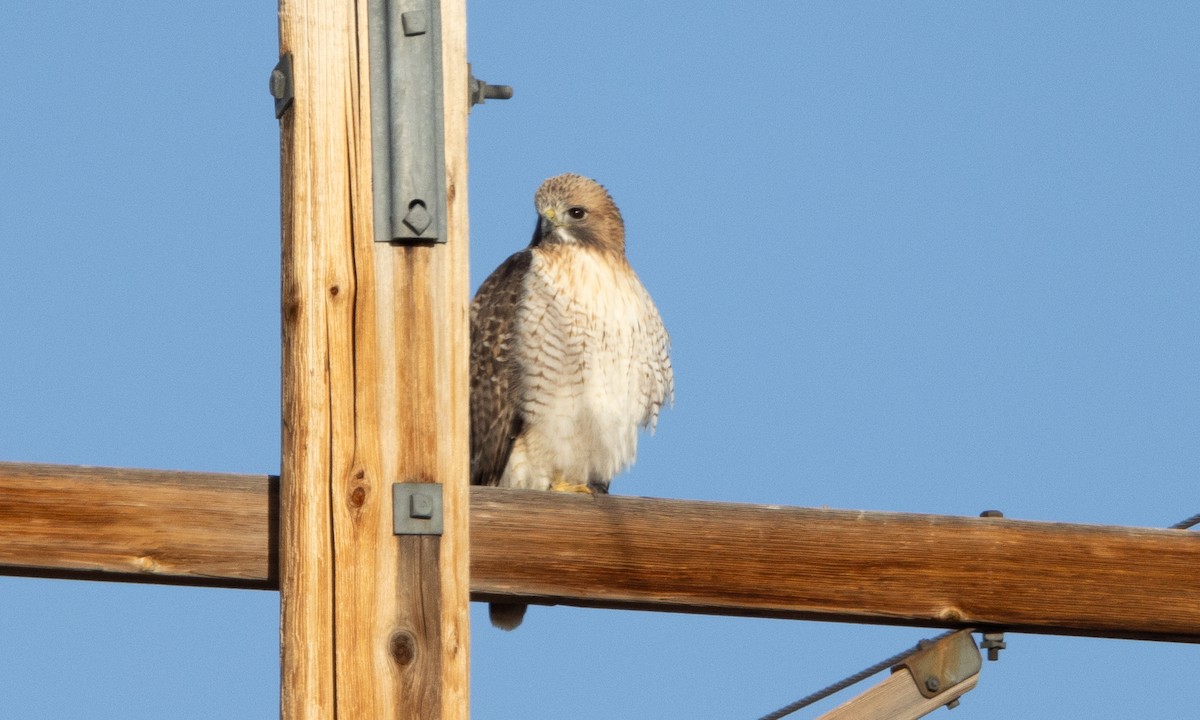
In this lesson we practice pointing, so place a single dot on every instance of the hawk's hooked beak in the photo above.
(546, 224)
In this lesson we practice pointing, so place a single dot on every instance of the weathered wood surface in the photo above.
(374, 392)
(647, 554)
(897, 698)
(839, 565)
(143, 525)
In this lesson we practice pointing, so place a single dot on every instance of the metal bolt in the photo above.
(497, 92)
(952, 704)
(933, 684)
(414, 22)
(418, 218)
(481, 91)
(993, 642)
(420, 506)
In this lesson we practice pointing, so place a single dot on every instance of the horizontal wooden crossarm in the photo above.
(642, 553)
(156, 526)
(869, 567)
(139, 526)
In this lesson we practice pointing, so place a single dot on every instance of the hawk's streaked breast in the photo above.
(569, 357)
(595, 365)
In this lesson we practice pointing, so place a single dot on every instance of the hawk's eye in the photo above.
(577, 213)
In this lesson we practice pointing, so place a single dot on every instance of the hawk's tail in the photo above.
(506, 616)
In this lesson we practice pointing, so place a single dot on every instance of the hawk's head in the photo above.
(573, 209)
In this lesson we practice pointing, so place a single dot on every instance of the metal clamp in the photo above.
(937, 667)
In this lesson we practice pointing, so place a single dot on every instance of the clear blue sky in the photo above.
(926, 257)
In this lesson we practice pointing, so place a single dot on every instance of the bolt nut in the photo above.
(993, 642)
(418, 218)
(933, 684)
(420, 507)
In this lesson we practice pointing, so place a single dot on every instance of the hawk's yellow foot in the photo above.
(558, 484)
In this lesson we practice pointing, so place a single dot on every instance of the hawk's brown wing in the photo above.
(495, 392)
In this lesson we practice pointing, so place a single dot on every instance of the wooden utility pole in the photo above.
(375, 394)
(374, 625)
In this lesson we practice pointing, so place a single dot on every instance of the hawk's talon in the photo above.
(560, 485)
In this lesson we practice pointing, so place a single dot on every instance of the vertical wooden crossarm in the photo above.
(373, 625)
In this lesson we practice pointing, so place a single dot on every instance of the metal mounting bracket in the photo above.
(281, 86)
(407, 141)
(416, 509)
(939, 666)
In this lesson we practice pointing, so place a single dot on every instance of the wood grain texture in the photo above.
(641, 553)
(896, 698)
(314, 181)
(375, 383)
(906, 569)
(142, 525)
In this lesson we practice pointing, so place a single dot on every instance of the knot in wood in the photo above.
(403, 648)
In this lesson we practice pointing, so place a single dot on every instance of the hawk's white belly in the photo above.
(588, 337)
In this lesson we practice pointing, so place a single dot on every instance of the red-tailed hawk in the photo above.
(569, 356)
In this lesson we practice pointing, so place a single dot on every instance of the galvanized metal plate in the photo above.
(416, 509)
(407, 142)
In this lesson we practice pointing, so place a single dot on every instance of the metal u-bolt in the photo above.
(993, 642)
